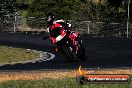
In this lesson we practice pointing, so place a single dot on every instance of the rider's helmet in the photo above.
(50, 18)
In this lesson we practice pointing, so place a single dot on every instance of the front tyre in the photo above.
(70, 54)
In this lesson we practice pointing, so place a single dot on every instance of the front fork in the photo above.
(77, 44)
(74, 47)
(54, 48)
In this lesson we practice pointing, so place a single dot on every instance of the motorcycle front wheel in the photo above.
(70, 54)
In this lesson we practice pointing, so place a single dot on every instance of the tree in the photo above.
(91, 11)
(6, 10)
(61, 8)
(117, 10)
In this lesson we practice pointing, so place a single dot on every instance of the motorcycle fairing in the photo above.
(55, 25)
(73, 36)
(60, 36)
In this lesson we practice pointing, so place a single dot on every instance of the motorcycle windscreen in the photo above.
(56, 32)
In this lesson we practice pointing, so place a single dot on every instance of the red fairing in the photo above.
(73, 35)
(55, 25)
(53, 39)
(63, 32)
(76, 34)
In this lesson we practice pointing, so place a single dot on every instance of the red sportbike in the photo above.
(69, 44)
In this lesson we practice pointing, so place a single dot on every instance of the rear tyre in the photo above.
(70, 55)
(82, 55)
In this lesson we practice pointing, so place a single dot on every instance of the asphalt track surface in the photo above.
(101, 52)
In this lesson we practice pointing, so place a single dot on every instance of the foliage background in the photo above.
(93, 10)
(108, 11)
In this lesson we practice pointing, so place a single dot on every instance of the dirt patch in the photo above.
(37, 75)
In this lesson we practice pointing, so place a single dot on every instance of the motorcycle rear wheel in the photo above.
(82, 55)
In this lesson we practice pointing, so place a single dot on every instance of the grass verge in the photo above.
(59, 83)
(10, 54)
(56, 79)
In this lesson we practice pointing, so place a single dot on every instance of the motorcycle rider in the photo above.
(54, 27)
(58, 24)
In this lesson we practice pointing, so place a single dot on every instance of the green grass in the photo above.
(9, 54)
(59, 83)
